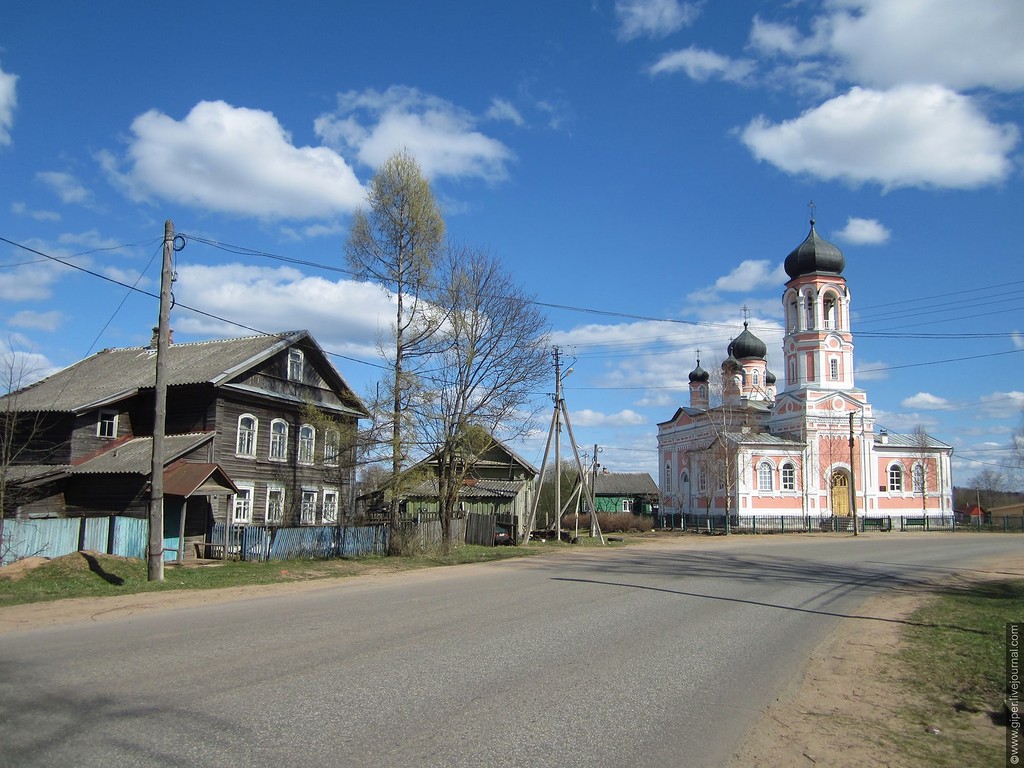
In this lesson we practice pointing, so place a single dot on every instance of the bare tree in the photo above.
(22, 433)
(919, 472)
(489, 357)
(395, 244)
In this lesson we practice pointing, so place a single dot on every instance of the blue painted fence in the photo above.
(258, 543)
(54, 537)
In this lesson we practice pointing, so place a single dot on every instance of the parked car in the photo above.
(503, 537)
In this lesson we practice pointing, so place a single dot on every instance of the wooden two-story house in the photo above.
(259, 430)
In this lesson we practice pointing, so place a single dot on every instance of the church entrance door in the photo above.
(840, 494)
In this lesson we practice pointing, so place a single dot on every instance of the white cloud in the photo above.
(624, 418)
(702, 65)
(959, 45)
(68, 188)
(234, 160)
(502, 109)
(1018, 339)
(8, 103)
(20, 209)
(864, 232)
(344, 316)
(912, 136)
(926, 401)
(884, 44)
(442, 137)
(752, 275)
(653, 18)
(39, 321)
(1002, 405)
(870, 370)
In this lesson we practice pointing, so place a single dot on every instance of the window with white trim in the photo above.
(756, 376)
(241, 510)
(275, 504)
(702, 480)
(106, 424)
(764, 476)
(627, 505)
(330, 507)
(278, 440)
(332, 447)
(307, 511)
(245, 444)
(917, 478)
(788, 477)
(896, 478)
(307, 443)
(833, 369)
(668, 477)
(295, 359)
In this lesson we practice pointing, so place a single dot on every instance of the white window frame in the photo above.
(307, 444)
(765, 482)
(241, 504)
(330, 506)
(248, 450)
(833, 368)
(788, 476)
(627, 505)
(702, 480)
(110, 418)
(278, 441)
(668, 477)
(296, 361)
(332, 447)
(270, 516)
(307, 506)
(895, 477)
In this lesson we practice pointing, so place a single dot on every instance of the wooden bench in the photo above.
(877, 523)
(915, 522)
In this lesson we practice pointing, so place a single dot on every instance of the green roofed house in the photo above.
(634, 492)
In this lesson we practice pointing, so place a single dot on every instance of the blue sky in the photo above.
(643, 167)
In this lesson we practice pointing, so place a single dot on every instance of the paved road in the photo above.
(645, 656)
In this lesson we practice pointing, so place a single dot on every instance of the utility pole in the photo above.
(558, 445)
(853, 482)
(156, 493)
(560, 413)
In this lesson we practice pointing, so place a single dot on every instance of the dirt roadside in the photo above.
(844, 682)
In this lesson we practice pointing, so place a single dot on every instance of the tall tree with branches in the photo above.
(489, 358)
(395, 243)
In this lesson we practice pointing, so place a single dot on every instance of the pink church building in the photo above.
(744, 448)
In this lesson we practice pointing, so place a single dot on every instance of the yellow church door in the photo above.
(840, 494)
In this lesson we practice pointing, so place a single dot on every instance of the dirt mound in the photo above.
(19, 568)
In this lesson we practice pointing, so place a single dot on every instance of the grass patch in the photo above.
(90, 574)
(952, 665)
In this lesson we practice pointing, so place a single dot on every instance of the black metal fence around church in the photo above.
(756, 524)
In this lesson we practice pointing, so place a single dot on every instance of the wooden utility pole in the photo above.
(156, 493)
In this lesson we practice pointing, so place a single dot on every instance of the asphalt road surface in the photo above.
(654, 655)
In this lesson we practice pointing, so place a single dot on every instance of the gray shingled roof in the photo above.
(625, 484)
(478, 489)
(135, 456)
(113, 374)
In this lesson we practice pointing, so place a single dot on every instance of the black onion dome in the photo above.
(769, 377)
(747, 345)
(815, 254)
(699, 374)
(731, 363)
